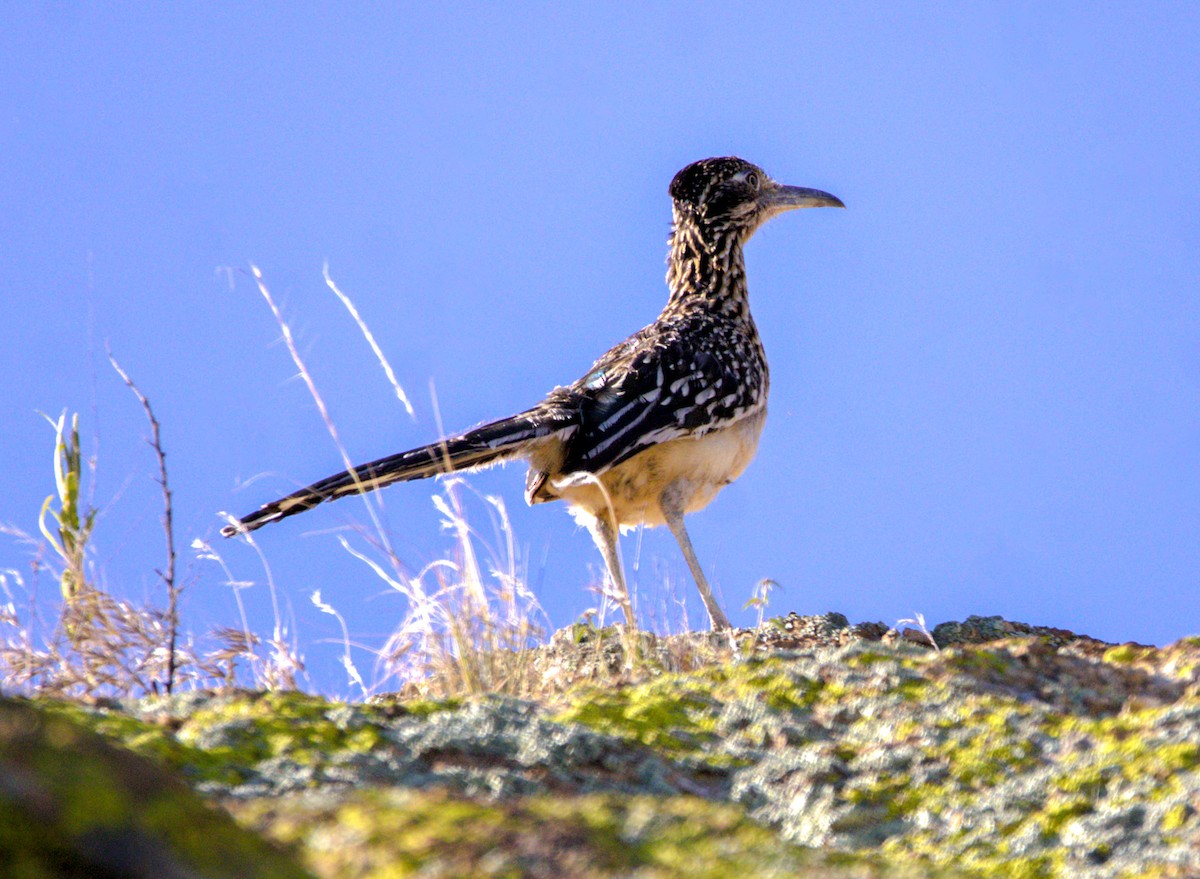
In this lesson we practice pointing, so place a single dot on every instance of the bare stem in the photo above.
(168, 576)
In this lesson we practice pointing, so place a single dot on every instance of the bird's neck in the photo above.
(706, 270)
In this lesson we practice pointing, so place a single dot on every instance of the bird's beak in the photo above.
(779, 198)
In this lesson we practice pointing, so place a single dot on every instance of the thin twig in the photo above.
(168, 522)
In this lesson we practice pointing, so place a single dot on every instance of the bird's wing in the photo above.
(661, 384)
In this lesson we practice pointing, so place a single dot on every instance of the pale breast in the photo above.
(704, 465)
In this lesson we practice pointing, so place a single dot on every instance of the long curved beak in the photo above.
(779, 198)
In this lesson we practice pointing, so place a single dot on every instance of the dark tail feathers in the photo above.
(489, 444)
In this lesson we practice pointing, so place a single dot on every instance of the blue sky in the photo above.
(985, 372)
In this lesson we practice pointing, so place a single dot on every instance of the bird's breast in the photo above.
(703, 465)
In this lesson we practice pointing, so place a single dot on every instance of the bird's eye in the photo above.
(752, 180)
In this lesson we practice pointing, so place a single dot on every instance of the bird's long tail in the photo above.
(489, 444)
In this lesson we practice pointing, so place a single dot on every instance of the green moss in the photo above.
(255, 727)
(914, 689)
(1088, 781)
(1158, 871)
(149, 739)
(980, 744)
(984, 761)
(1176, 817)
(986, 746)
(1124, 744)
(939, 734)
(222, 739)
(656, 715)
(156, 741)
(894, 793)
(398, 834)
(84, 805)
(426, 707)
(770, 681)
(1126, 654)
(1055, 816)
(982, 861)
(677, 713)
(845, 751)
(1046, 866)
(977, 659)
(866, 658)
(1163, 761)
(584, 633)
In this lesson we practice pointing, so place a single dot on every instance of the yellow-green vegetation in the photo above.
(74, 805)
(223, 738)
(985, 740)
(397, 834)
(971, 739)
(154, 740)
(676, 714)
(1124, 748)
(417, 707)
(1127, 653)
(257, 727)
(1013, 759)
(667, 715)
(73, 519)
(981, 743)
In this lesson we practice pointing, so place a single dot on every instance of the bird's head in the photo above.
(730, 195)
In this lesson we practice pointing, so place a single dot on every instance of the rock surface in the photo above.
(72, 804)
(822, 749)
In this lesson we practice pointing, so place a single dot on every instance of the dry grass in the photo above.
(94, 646)
(469, 619)
(470, 624)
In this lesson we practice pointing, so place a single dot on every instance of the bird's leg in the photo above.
(604, 532)
(672, 503)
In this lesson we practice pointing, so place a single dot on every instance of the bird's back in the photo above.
(684, 399)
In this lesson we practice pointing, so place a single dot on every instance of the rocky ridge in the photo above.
(820, 747)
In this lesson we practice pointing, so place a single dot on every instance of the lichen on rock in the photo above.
(844, 751)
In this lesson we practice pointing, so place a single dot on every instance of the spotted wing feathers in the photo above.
(663, 384)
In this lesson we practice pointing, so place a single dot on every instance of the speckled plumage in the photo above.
(662, 421)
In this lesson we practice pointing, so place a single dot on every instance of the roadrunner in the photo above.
(663, 421)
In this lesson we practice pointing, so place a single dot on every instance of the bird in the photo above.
(662, 421)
